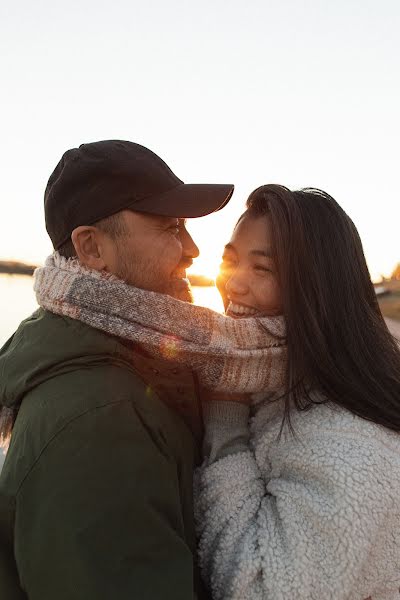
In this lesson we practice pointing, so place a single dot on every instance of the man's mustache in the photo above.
(185, 263)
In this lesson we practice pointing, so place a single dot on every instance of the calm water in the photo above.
(17, 301)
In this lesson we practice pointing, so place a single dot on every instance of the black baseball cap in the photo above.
(99, 179)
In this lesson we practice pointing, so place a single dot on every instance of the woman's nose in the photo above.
(236, 285)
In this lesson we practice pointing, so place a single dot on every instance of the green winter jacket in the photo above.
(96, 489)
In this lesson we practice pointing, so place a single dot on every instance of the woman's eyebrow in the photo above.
(230, 247)
(264, 253)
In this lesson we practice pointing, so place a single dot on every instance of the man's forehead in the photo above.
(162, 219)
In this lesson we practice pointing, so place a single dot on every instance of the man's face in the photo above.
(153, 253)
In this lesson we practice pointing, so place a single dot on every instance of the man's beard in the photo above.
(176, 288)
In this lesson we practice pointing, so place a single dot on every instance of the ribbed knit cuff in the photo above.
(226, 429)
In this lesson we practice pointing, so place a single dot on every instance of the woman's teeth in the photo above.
(238, 310)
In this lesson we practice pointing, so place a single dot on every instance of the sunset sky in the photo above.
(303, 93)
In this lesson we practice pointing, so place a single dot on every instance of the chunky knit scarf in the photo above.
(230, 355)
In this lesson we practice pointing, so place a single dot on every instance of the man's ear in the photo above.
(87, 244)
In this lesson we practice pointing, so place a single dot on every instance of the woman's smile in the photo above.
(240, 310)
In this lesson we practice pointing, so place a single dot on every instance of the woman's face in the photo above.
(247, 280)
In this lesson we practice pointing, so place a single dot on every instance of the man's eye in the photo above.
(174, 229)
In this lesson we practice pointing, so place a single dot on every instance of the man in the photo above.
(96, 490)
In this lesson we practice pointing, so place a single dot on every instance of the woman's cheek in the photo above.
(269, 297)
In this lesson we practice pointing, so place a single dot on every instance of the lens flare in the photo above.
(169, 347)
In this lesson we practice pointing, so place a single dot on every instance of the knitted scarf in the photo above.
(230, 355)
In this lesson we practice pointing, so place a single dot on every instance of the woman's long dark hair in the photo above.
(338, 341)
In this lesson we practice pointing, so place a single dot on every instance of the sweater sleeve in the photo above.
(296, 519)
(226, 429)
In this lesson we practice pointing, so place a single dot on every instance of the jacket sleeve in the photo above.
(296, 522)
(99, 516)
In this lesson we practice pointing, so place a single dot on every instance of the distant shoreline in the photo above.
(10, 267)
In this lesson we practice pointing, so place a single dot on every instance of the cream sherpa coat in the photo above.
(315, 517)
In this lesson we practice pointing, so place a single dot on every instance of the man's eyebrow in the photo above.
(264, 253)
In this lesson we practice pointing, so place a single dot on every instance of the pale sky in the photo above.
(302, 93)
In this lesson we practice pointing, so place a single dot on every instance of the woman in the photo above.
(299, 492)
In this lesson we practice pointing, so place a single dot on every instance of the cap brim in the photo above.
(188, 200)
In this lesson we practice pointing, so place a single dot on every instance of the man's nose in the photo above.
(189, 248)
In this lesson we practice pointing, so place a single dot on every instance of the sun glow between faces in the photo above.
(207, 265)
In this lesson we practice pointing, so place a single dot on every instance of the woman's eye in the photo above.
(175, 229)
(262, 269)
